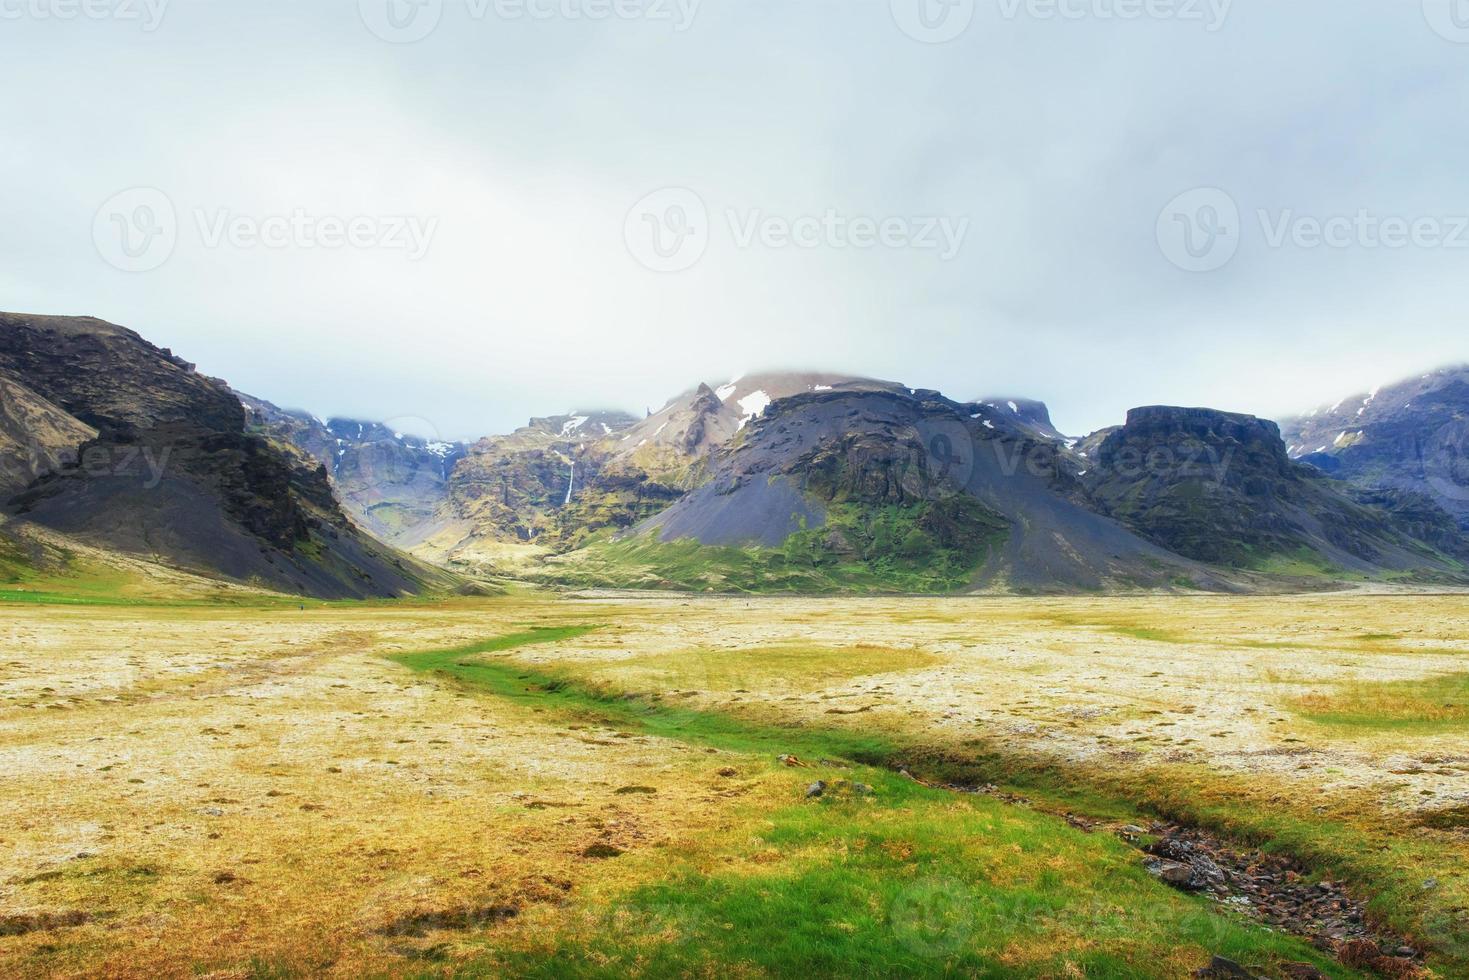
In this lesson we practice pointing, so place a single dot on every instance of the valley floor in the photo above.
(591, 786)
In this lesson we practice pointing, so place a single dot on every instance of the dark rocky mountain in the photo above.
(392, 483)
(1404, 446)
(36, 437)
(133, 450)
(673, 441)
(1025, 413)
(1220, 488)
(805, 480)
(961, 481)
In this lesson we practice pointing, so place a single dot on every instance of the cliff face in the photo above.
(1221, 488)
(391, 483)
(1409, 440)
(36, 437)
(171, 473)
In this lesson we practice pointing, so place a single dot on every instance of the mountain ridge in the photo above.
(810, 479)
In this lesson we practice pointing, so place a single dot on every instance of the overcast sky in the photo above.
(981, 197)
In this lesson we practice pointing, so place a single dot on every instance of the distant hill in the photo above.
(391, 483)
(1403, 446)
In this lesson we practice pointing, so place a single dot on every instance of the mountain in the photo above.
(1025, 413)
(672, 441)
(887, 489)
(1403, 446)
(559, 481)
(774, 481)
(131, 450)
(1220, 488)
(546, 484)
(391, 483)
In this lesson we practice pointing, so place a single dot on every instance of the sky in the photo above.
(469, 212)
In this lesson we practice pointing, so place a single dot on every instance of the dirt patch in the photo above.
(20, 925)
(1450, 818)
(466, 919)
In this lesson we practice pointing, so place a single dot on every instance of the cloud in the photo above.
(1058, 138)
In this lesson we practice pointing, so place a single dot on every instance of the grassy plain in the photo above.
(589, 786)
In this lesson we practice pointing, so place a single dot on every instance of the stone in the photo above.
(1220, 968)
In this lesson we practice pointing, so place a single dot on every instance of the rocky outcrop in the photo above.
(36, 437)
(173, 474)
(1220, 488)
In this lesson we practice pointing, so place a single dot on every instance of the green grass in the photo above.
(922, 549)
(1431, 704)
(908, 881)
(1299, 563)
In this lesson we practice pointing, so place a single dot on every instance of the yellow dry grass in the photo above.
(188, 789)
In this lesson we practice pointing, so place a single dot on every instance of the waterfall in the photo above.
(570, 484)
